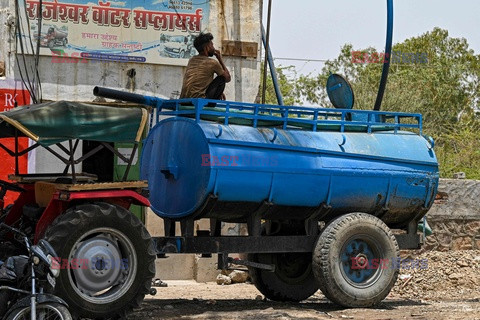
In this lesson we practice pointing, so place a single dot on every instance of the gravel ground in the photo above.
(449, 288)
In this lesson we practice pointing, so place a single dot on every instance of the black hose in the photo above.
(388, 56)
(119, 95)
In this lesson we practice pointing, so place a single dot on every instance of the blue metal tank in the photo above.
(233, 160)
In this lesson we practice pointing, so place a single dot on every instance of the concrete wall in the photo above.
(455, 216)
(237, 20)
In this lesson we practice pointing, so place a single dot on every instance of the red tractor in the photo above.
(105, 253)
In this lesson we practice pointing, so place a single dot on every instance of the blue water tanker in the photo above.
(319, 190)
(231, 160)
(328, 196)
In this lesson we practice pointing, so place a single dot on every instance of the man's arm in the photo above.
(225, 73)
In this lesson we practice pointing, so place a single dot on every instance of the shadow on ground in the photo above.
(250, 309)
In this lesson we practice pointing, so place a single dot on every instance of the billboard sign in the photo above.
(152, 31)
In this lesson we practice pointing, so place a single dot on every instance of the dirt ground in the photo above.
(447, 286)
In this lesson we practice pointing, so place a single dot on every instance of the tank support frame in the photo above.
(207, 242)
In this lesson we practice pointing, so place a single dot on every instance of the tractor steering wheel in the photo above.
(10, 186)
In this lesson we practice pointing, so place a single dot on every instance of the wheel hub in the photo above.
(356, 261)
(361, 260)
(293, 268)
(104, 261)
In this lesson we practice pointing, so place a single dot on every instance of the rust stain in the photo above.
(441, 197)
(239, 48)
(222, 16)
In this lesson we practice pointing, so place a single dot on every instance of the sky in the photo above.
(317, 29)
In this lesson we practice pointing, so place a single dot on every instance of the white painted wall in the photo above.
(236, 20)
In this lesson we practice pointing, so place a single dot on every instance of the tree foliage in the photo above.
(287, 87)
(445, 90)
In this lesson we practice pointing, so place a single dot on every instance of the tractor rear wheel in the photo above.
(107, 260)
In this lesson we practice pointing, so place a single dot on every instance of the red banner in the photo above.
(8, 99)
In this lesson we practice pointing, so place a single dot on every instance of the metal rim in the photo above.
(356, 261)
(111, 265)
(44, 311)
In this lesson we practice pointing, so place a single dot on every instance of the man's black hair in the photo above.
(202, 40)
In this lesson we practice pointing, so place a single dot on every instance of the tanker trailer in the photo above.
(319, 189)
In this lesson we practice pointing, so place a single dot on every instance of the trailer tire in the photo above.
(96, 233)
(347, 260)
(292, 280)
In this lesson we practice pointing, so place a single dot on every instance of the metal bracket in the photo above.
(224, 261)
(188, 227)
(263, 266)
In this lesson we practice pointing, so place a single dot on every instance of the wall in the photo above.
(228, 20)
(455, 216)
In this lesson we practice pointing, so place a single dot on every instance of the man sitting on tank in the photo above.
(199, 81)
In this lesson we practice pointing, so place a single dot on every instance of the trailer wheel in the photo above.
(293, 279)
(110, 259)
(353, 260)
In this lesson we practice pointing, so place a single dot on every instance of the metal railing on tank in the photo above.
(290, 117)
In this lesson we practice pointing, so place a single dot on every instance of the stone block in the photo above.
(431, 243)
(444, 239)
(202, 224)
(154, 224)
(442, 248)
(462, 201)
(453, 227)
(462, 243)
(238, 276)
(438, 226)
(472, 228)
(205, 268)
(477, 243)
(175, 267)
(223, 279)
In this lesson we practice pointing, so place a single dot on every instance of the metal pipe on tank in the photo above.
(273, 71)
(266, 51)
(388, 56)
